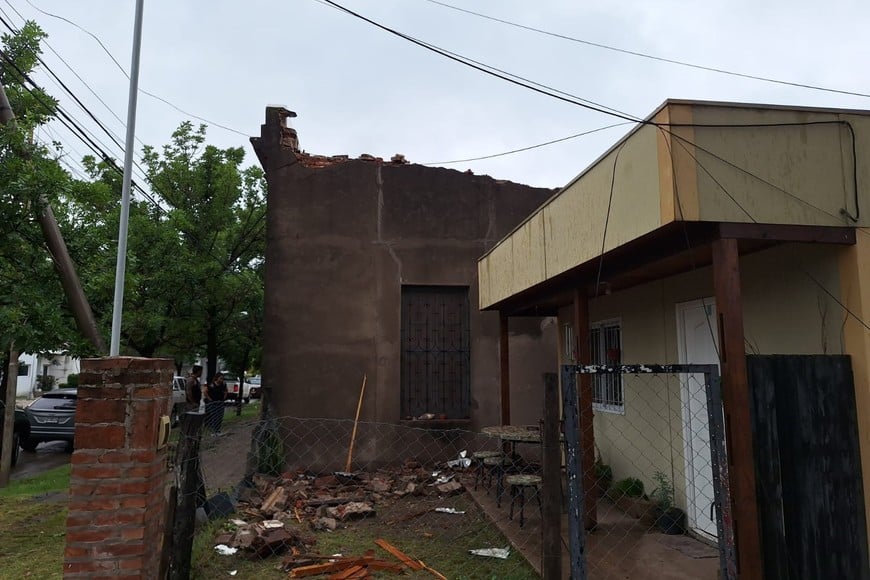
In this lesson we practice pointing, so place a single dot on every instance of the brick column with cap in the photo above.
(118, 482)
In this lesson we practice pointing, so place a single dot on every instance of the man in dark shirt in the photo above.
(193, 390)
(215, 396)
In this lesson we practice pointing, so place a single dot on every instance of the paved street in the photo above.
(47, 456)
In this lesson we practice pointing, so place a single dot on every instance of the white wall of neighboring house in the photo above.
(30, 366)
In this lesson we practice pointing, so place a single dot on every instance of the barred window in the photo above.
(606, 345)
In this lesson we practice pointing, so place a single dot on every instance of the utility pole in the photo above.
(120, 269)
(75, 295)
(11, 380)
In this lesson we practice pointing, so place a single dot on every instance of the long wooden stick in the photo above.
(355, 422)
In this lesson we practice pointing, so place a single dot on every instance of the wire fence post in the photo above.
(576, 531)
(189, 492)
(551, 566)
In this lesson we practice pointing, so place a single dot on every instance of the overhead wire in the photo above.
(717, 70)
(126, 74)
(530, 147)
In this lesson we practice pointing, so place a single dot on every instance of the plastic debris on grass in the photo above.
(502, 553)
(449, 510)
(225, 550)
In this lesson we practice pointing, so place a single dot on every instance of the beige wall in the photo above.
(810, 162)
(569, 229)
(784, 312)
(799, 175)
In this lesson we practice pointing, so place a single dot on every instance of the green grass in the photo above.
(33, 525)
(436, 539)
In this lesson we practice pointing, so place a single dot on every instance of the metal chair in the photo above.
(518, 484)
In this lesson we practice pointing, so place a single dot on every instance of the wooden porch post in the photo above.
(583, 355)
(504, 367)
(736, 401)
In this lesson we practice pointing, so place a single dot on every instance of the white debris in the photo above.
(443, 479)
(502, 553)
(225, 550)
(444, 510)
(239, 522)
(272, 524)
(462, 461)
(233, 572)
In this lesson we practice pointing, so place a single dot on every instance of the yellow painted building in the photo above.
(633, 234)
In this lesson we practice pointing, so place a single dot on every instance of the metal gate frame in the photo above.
(721, 489)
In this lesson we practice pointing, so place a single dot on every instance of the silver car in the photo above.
(52, 417)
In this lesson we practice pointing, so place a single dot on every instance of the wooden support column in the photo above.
(505, 368)
(736, 401)
(583, 355)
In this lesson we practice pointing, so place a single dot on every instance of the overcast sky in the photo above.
(359, 90)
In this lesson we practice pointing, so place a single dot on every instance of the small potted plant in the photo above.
(628, 495)
(603, 476)
(670, 519)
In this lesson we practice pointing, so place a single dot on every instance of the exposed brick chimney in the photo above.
(289, 138)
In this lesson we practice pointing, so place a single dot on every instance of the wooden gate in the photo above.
(808, 466)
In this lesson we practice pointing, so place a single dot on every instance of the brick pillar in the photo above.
(119, 477)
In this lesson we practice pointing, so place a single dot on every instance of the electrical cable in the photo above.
(651, 57)
(530, 147)
(126, 74)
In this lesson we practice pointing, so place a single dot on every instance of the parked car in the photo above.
(255, 387)
(20, 430)
(179, 399)
(233, 388)
(52, 417)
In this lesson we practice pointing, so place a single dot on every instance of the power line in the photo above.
(126, 74)
(650, 56)
(486, 69)
(530, 147)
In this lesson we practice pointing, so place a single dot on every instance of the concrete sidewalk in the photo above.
(619, 548)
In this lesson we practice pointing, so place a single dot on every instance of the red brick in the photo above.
(135, 487)
(90, 503)
(133, 502)
(102, 437)
(91, 411)
(99, 471)
(131, 564)
(136, 533)
(116, 549)
(117, 457)
(73, 552)
(88, 565)
(85, 534)
(85, 456)
(144, 456)
(87, 379)
(95, 487)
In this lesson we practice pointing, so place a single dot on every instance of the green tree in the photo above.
(219, 209)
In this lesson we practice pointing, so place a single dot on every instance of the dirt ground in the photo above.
(224, 458)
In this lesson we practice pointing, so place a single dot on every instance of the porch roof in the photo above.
(650, 206)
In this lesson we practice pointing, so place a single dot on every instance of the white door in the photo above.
(698, 337)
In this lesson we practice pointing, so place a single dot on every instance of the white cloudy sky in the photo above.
(359, 90)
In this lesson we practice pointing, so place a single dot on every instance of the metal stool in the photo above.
(479, 469)
(496, 467)
(518, 485)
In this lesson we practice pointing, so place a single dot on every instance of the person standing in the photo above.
(215, 398)
(192, 389)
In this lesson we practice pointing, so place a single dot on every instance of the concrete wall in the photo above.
(343, 237)
(784, 313)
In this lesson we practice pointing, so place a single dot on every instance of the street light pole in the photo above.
(129, 147)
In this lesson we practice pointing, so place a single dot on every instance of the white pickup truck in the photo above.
(179, 398)
(233, 388)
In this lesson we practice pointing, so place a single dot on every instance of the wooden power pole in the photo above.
(75, 295)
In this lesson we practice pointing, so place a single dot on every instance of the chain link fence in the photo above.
(658, 456)
(294, 497)
(424, 502)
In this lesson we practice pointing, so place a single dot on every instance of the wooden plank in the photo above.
(551, 566)
(769, 478)
(583, 355)
(816, 527)
(401, 556)
(348, 573)
(789, 233)
(736, 403)
(505, 368)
